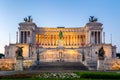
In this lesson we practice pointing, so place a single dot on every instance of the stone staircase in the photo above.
(59, 66)
(92, 65)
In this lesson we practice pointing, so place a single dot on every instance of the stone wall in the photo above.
(28, 63)
(112, 64)
(115, 64)
(9, 64)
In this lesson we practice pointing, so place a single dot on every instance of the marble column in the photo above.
(37, 38)
(76, 40)
(73, 40)
(27, 37)
(64, 40)
(40, 39)
(95, 37)
(70, 39)
(51, 40)
(44, 39)
(56, 39)
(100, 37)
(23, 36)
(67, 40)
(88, 37)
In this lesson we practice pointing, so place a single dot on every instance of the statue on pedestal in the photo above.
(60, 42)
(101, 57)
(19, 59)
(92, 19)
(28, 19)
(101, 54)
(19, 52)
(60, 35)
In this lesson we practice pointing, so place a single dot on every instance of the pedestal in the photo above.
(19, 65)
(84, 62)
(100, 65)
(60, 43)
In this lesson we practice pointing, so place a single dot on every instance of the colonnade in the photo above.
(24, 36)
(52, 40)
(96, 36)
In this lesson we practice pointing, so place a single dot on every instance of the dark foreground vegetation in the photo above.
(84, 75)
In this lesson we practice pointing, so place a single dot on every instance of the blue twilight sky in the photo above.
(53, 13)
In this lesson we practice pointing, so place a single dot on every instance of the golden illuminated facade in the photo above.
(49, 37)
(75, 42)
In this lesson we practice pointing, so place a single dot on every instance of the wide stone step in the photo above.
(59, 66)
(92, 65)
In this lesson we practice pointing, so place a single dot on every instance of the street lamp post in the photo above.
(29, 49)
(83, 55)
(37, 51)
(91, 51)
(82, 44)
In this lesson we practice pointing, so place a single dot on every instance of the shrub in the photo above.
(15, 76)
(99, 75)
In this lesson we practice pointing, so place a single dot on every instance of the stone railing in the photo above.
(112, 64)
(7, 64)
(115, 64)
(28, 63)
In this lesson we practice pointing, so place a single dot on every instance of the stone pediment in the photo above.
(27, 25)
(94, 25)
(25, 28)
